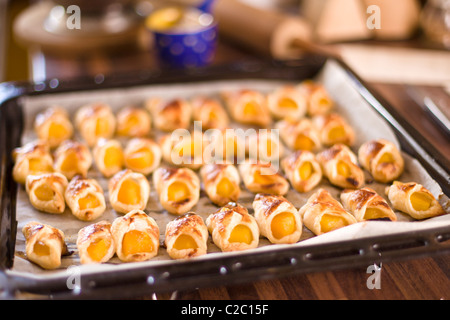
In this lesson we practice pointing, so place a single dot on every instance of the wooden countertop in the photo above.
(426, 278)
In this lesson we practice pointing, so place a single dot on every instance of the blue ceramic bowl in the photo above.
(192, 46)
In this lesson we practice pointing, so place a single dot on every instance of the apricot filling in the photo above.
(420, 201)
(184, 242)
(128, 125)
(130, 192)
(387, 158)
(41, 249)
(374, 213)
(304, 143)
(262, 179)
(251, 109)
(241, 234)
(101, 127)
(337, 133)
(225, 188)
(88, 202)
(135, 242)
(70, 162)
(44, 193)
(98, 249)
(38, 165)
(282, 225)
(113, 158)
(57, 131)
(287, 103)
(306, 170)
(178, 192)
(329, 223)
(343, 169)
(140, 159)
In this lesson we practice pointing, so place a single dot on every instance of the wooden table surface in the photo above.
(425, 278)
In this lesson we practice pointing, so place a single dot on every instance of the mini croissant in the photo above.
(53, 126)
(334, 129)
(233, 229)
(303, 170)
(142, 155)
(366, 204)
(317, 98)
(72, 158)
(185, 150)
(186, 237)
(382, 159)
(170, 115)
(414, 199)
(287, 102)
(32, 158)
(263, 178)
(322, 213)
(248, 107)
(44, 244)
(133, 122)
(46, 192)
(277, 218)
(299, 134)
(108, 157)
(210, 113)
(221, 183)
(95, 243)
(85, 198)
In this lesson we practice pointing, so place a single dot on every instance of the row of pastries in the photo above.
(54, 171)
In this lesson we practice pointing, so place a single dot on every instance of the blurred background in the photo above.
(41, 39)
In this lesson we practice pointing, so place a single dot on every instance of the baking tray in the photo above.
(229, 268)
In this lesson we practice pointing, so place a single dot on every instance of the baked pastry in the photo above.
(108, 157)
(142, 155)
(248, 107)
(233, 229)
(302, 170)
(263, 178)
(95, 121)
(221, 183)
(32, 158)
(278, 220)
(46, 192)
(318, 100)
(366, 204)
(133, 122)
(227, 145)
(184, 150)
(72, 158)
(169, 115)
(339, 165)
(265, 146)
(44, 244)
(299, 134)
(53, 126)
(286, 102)
(136, 236)
(382, 159)
(333, 129)
(178, 189)
(322, 213)
(85, 198)
(128, 191)
(95, 243)
(186, 237)
(209, 112)
(414, 199)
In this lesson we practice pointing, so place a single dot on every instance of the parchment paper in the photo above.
(367, 123)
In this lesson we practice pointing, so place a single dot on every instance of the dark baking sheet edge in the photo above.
(254, 266)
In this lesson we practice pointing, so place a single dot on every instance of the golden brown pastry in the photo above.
(184, 150)
(178, 189)
(142, 155)
(186, 237)
(366, 204)
(169, 115)
(278, 220)
(263, 178)
(44, 244)
(302, 170)
(133, 122)
(128, 191)
(210, 113)
(221, 183)
(108, 157)
(85, 198)
(136, 236)
(223, 146)
(53, 126)
(265, 146)
(339, 165)
(72, 158)
(46, 192)
(95, 121)
(32, 158)
(322, 213)
(233, 229)
(287, 102)
(414, 199)
(317, 97)
(95, 243)
(382, 159)
(248, 107)
(333, 129)
(299, 134)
